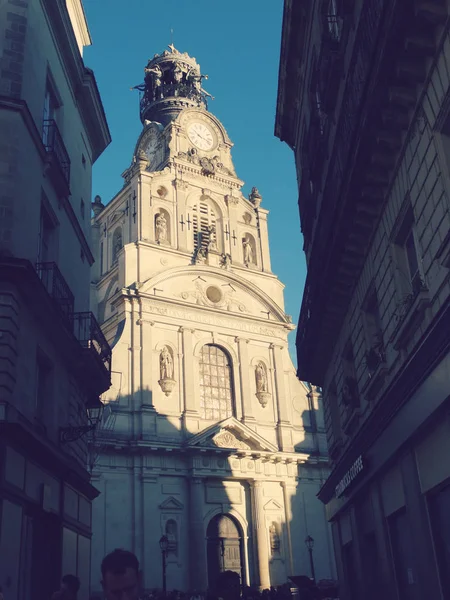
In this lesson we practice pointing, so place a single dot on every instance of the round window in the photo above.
(213, 294)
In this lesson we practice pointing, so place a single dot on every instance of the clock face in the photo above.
(201, 135)
(150, 149)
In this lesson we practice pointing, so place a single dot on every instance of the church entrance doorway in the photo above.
(224, 547)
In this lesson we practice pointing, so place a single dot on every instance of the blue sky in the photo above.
(237, 43)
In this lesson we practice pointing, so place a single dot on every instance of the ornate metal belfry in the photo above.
(173, 81)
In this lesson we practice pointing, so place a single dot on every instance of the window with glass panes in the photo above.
(216, 393)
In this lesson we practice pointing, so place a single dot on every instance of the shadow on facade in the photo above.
(222, 508)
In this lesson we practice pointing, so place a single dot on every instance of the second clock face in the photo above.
(201, 135)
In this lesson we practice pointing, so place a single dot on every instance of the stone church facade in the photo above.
(209, 437)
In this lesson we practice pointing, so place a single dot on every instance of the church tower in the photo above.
(209, 437)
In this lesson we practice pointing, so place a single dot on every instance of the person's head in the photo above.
(121, 578)
(228, 585)
(70, 584)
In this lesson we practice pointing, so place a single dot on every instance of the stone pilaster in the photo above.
(260, 532)
(197, 536)
(151, 531)
(245, 373)
(289, 490)
(283, 425)
(181, 225)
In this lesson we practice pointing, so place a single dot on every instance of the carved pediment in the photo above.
(227, 439)
(171, 504)
(231, 434)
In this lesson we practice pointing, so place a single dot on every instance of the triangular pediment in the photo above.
(272, 505)
(231, 434)
(171, 504)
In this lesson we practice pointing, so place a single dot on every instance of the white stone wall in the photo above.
(153, 296)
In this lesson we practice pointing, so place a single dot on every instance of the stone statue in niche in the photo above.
(274, 538)
(262, 384)
(261, 378)
(161, 228)
(248, 250)
(166, 364)
(166, 380)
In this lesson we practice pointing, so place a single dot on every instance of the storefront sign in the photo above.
(350, 476)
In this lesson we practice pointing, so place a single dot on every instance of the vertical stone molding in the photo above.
(188, 367)
(244, 372)
(259, 526)
(197, 541)
(288, 492)
(279, 382)
(146, 378)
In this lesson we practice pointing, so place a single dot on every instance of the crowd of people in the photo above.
(122, 580)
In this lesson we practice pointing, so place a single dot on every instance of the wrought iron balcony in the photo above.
(57, 151)
(88, 333)
(57, 288)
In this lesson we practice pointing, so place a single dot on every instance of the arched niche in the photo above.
(162, 226)
(248, 249)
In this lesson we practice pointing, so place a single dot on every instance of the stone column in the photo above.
(245, 373)
(197, 536)
(259, 528)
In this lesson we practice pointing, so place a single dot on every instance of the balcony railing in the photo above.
(88, 333)
(57, 288)
(54, 145)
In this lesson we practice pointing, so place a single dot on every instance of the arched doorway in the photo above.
(224, 547)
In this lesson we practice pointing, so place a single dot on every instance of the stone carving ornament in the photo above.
(166, 380)
(227, 439)
(248, 250)
(262, 385)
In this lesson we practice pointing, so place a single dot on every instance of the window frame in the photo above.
(230, 410)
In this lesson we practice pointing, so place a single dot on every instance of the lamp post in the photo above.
(309, 541)
(94, 411)
(222, 552)
(164, 545)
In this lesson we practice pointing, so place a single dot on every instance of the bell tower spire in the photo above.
(173, 82)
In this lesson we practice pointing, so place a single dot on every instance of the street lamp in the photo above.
(222, 552)
(94, 411)
(309, 541)
(164, 545)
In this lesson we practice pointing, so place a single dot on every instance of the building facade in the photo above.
(363, 102)
(53, 357)
(210, 439)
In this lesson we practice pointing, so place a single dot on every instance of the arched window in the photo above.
(203, 221)
(216, 390)
(117, 243)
